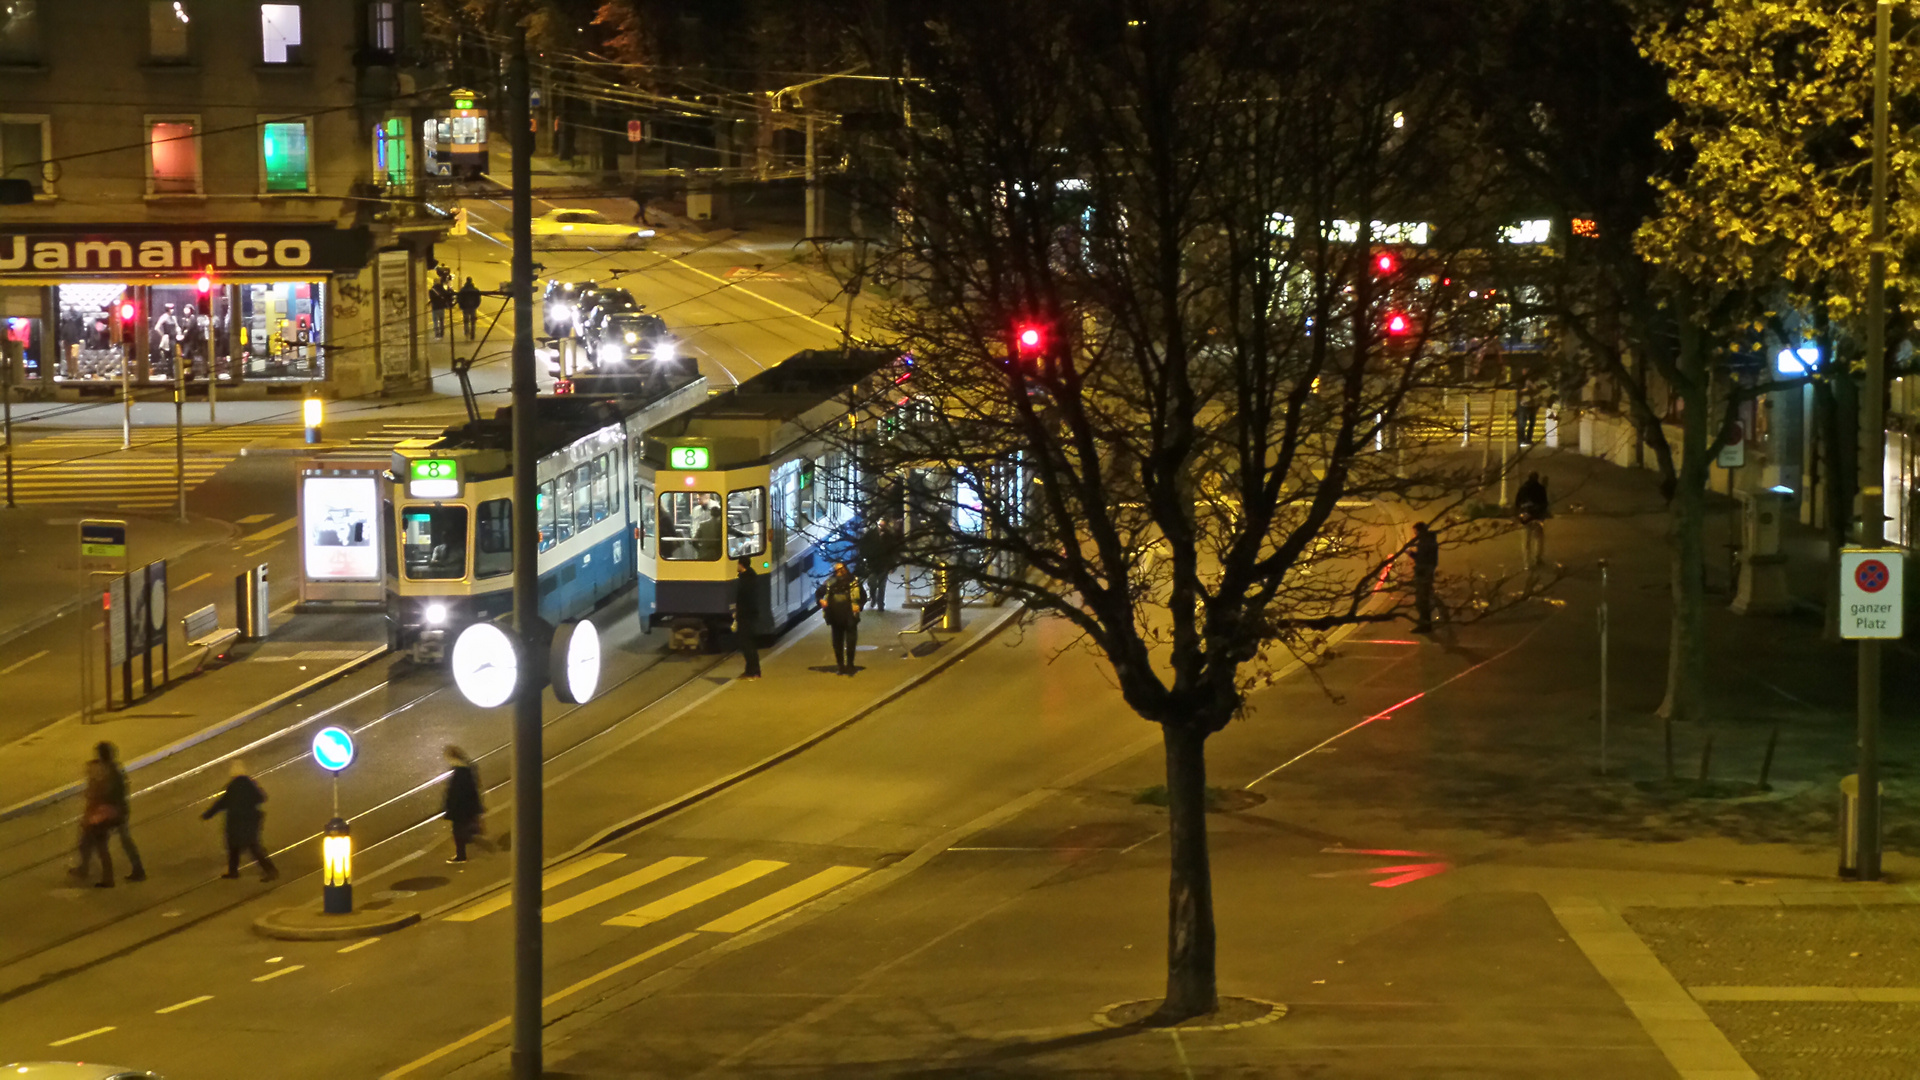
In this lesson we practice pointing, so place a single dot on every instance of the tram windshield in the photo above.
(433, 542)
(690, 526)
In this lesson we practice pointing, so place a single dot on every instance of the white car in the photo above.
(586, 228)
(74, 1070)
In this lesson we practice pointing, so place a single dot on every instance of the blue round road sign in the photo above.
(333, 748)
(1871, 575)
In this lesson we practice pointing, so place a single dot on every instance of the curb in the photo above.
(309, 923)
(243, 717)
(48, 615)
(683, 801)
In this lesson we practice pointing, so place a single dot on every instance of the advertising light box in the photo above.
(341, 515)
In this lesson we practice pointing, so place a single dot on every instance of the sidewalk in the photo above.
(40, 548)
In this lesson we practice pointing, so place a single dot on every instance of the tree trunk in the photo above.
(1190, 939)
(1687, 644)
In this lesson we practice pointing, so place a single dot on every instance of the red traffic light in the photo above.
(1030, 338)
(1398, 324)
(1385, 262)
(126, 311)
(205, 284)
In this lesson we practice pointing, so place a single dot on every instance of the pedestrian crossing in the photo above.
(386, 436)
(220, 438)
(671, 886)
(122, 481)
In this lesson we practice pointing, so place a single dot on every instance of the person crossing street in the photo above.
(469, 301)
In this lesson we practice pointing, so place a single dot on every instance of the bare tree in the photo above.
(1179, 284)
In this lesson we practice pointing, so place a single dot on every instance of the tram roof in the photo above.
(791, 388)
(559, 422)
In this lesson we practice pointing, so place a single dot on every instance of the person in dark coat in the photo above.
(1425, 551)
(241, 803)
(841, 598)
(464, 810)
(1530, 505)
(879, 548)
(746, 616)
(469, 301)
(97, 819)
(440, 300)
(117, 797)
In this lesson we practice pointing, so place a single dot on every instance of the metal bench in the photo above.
(937, 616)
(202, 630)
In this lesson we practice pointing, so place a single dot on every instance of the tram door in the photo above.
(780, 521)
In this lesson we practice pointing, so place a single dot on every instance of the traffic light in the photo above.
(1385, 263)
(1398, 325)
(120, 326)
(1029, 340)
(204, 285)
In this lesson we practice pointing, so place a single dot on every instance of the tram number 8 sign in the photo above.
(1871, 600)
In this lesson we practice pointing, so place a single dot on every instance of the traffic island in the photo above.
(310, 923)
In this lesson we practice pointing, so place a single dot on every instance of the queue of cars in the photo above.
(603, 329)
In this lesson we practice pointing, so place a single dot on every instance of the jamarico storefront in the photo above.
(262, 308)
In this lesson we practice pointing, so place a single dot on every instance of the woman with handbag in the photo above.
(98, 817)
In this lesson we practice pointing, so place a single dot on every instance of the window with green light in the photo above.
(284, 148)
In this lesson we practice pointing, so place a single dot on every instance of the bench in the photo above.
(201, 628)
(933, 612)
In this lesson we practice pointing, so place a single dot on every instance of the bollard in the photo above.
(1850, 838)
(336, 868)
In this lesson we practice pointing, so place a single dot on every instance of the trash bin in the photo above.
(1850, 824)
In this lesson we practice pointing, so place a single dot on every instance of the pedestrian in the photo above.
(746, 618)
(97, 817)
(642, 198)
(1530, 505)
(840, 601)
(245, 820)
(1526, 413)
(464, 810)
(879, 548)
(440, 299)
(469, 301)
(117, 795)
(1425, 549)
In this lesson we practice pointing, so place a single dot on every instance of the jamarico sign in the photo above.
(123, 251)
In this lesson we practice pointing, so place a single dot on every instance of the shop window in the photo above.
(19, 32)
(746, 522)
(281, 327)
(24, 343)
(433, 544)
(83, 323)
(382, 31)
(392, 164)
(690, 526)
(185, 325)
(280, 33)
(167, 25)
(23, 146)
(283, 155)
(173, 161)
(549, 526)
(493, 539)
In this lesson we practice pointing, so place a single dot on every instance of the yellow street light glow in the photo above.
(336, 859)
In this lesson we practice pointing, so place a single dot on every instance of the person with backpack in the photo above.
(841, 598)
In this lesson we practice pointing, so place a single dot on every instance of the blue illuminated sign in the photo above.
(333, 748)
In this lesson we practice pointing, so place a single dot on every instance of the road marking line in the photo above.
(601, 894)
(254, 519)
(11, 668)
(559, 876)
(737, 287)
(1806, 993)
(270, 531)
(288, 970)
(1667, 1013)
(263, 549)
(183, 585)
(358, 945)
(83, 1035)
(699, 893)
(187, 1004)
(792, 896)
(500, 1025)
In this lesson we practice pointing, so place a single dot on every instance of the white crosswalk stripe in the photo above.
(782, 893)
(154, 438)
(117, 480)
(389, 435)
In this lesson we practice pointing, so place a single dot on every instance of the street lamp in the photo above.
(314, 413)
(336, 868)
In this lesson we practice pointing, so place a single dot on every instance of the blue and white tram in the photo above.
(759, 472)
(451, 517)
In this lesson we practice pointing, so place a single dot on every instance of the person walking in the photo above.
(879, 548)
(464, 810)
(1530, 505)
(746, 619)
(97, 817)
(1425, 551)
(440, 300)
(123, 809)
(840, 599)
(241, 803)
(469, 301)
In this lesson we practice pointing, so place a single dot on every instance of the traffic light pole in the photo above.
(525, 1057)
(179, 427)
(1873, 423)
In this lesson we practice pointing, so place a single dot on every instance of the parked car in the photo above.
(586, 228)
(74, 1070)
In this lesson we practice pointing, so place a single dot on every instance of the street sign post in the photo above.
(1733, 455)
(333, 751)
(1870, 593)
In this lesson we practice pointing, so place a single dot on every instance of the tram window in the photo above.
(804, 509)
(493, 539)
(602, 488)
(563, 507)
(583, 498)
(545, 505)
(690, 526)
(746, 522)
(645, 500)
(434, 545)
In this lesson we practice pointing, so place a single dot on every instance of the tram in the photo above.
(760, 472)
(449, 519)
(453, 140)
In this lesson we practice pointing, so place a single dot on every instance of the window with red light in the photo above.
(174, 157)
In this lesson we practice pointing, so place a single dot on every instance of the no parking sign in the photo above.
(1871, 601)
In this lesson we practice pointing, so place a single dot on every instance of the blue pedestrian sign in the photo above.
(333, 748)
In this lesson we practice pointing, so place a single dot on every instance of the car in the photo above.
(586, 228)
(560, 304)
(633, 341)
(74, 1070)
(607, 305)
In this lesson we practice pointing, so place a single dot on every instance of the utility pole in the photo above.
(1873, 427)
(6, 398)
(180, 425)
(527, 809)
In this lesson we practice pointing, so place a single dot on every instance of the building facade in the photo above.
(222, 189)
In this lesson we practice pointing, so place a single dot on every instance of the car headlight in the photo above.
(436, 614)
(561, 311)
(665, 350)
(609, 353)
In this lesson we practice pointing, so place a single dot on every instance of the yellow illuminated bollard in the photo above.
(313, 412)
(336, 869)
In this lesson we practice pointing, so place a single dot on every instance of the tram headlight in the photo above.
(436, 614)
